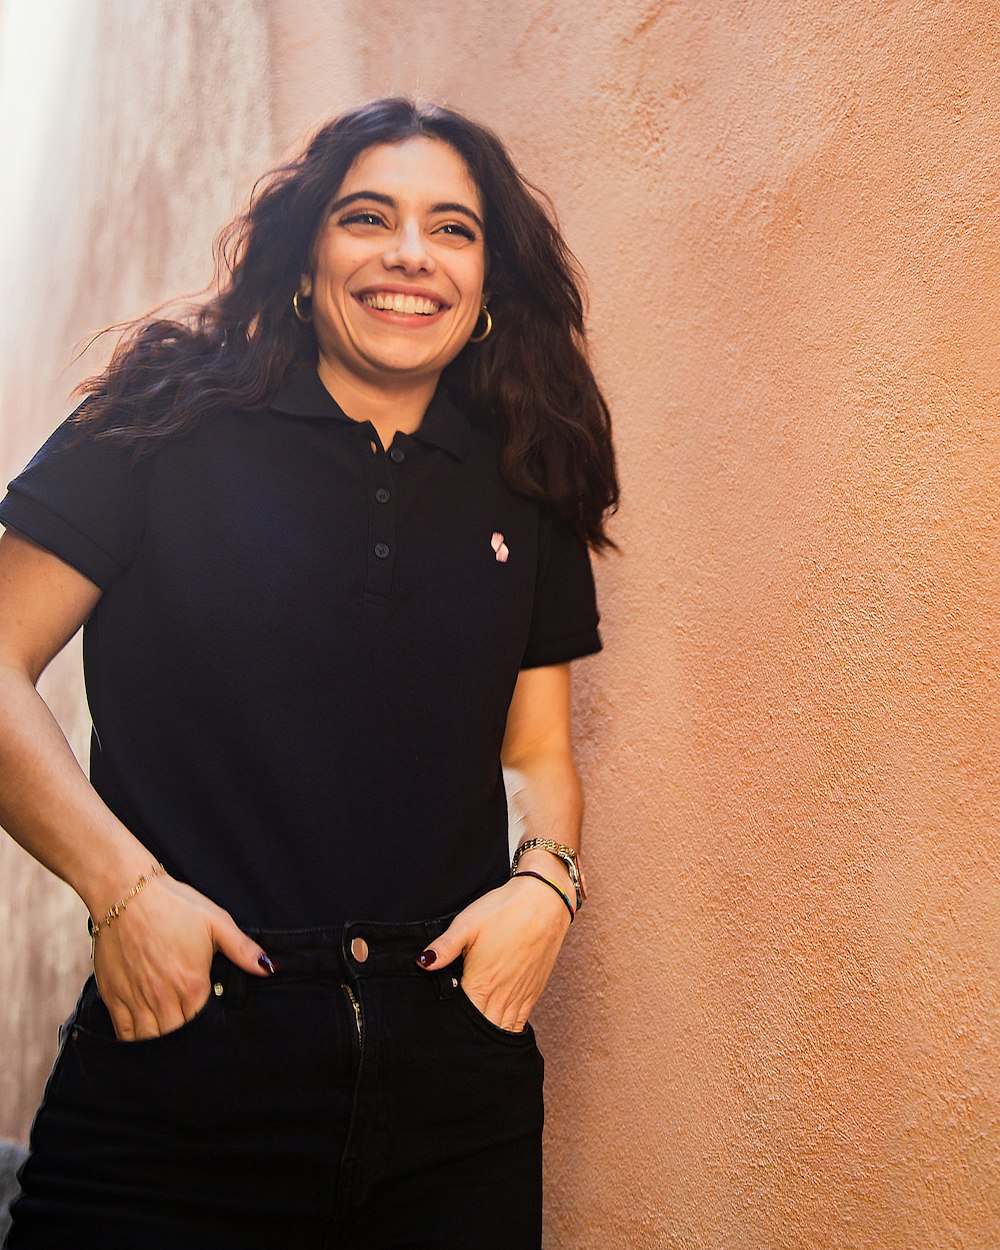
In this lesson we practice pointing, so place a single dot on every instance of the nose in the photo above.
(408, 250)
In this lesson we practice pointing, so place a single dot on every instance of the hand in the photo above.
(511, 939)
(153, 962)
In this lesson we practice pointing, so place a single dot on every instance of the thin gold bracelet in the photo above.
(114, 912)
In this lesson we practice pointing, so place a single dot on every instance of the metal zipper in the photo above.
(356, 1005)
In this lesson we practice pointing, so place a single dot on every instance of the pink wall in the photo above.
(777, 1023)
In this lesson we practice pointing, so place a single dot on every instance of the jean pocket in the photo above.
(92, 1027)
(177, 1081)
(524, 1037)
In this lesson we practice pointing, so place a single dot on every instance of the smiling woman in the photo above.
(396, 284)
(329, 537)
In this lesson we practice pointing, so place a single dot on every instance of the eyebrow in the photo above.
(446, 206)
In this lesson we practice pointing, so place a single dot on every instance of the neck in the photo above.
(388, 408)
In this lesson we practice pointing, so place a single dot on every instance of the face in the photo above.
(397, 281)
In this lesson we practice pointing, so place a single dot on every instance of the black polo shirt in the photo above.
(300, 668)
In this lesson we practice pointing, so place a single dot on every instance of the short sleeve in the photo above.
(564, 617)
(81, 499)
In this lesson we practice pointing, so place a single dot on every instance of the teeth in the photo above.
(391, 301)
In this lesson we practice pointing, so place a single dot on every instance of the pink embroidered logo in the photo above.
(500, 547)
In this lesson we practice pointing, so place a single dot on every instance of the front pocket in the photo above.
(176, 1082)
(92, 1025)
(525, 1037)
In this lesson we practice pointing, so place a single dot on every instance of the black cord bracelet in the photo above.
(526, 872)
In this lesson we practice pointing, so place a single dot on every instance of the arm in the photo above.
(511, 937)
(152, 964)
(545, 797)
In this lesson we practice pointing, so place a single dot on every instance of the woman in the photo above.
(329, 538)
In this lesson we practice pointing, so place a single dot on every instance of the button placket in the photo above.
(381, 522)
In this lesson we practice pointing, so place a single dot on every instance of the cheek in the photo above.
(335, 263)
(473, 282)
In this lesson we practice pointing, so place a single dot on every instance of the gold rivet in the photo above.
(218, 989)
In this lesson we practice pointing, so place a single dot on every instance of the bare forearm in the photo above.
(152, 965)
(511, 936)
(546, 801)
(49, 806)
(543, 787)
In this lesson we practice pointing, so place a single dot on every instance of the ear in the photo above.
(306, 285)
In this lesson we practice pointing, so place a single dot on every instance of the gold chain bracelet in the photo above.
(114, 912)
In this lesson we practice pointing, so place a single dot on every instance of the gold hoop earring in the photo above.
(298, 311)
(478, 338)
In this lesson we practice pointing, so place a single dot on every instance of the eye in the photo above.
(364, 218)
(457, 230)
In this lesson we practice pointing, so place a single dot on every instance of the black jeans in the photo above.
(352, 1101)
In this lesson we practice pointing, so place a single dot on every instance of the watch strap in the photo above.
(567, 854)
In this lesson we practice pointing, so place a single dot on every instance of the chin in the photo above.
(402, 362)
(395, 368)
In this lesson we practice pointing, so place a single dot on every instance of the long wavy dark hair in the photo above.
(530, 378)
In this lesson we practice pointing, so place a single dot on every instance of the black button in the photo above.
(397, 455)
(382, 550)
(382, 495)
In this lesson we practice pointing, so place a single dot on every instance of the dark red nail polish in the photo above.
(427, 957)
(265, 963)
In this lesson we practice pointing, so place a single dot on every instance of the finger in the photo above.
(145, 1024)
(506, 1015)
(173, 1017)
(121, 1019)
(514, 1019)
(191, 995)
(162, 1005)
(242, 950)
(446, 948)
(499, 1008)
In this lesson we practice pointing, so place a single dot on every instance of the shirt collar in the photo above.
(444, 425)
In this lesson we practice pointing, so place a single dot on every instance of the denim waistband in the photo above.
(359, 949)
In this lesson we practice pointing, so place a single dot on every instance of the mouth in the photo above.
(397, 302)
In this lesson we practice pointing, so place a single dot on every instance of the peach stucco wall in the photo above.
(777, 1026)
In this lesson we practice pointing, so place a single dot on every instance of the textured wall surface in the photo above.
(777, 1023)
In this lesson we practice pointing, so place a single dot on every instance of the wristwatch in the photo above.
(568, 856)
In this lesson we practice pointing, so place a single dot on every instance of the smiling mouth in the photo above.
(393, 301)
